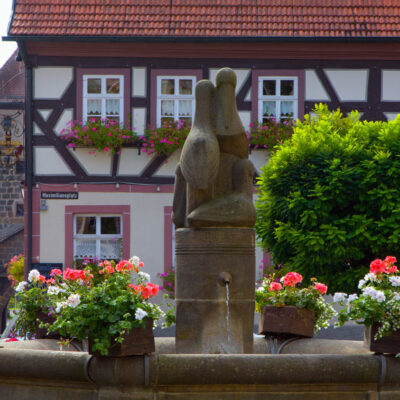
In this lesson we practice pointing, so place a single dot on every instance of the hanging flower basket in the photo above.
(286, 321)
(386, 344)
(137, 341)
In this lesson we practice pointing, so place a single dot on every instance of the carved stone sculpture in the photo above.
(214, 215)
(214, 178)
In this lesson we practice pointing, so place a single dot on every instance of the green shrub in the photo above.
(329, 198)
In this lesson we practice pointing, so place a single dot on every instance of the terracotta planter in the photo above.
(41, 333)
(138, 341)
(388, 344)
(286, 321)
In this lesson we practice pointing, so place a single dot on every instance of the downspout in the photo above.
(28, 153)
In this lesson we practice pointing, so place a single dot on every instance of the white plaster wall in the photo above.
(45, 113)
(390, 85)
(36, 129)
(139, 120)
(259, 158)
(349, 84)
(131, 163)
(47, 161)
(147, 225)
(51, 82)
(92, 161)
(168, 168)
(314, 89)
(241, 75)
(66, 116)
(391, 116)
(245, 117)
(139, 82)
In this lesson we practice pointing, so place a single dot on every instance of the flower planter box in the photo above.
(138, 341)
(41, 333)
(286, 321)
(388, 344)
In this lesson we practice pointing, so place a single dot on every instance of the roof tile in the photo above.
(289, 18)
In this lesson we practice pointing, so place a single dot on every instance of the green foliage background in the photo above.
(329, 198)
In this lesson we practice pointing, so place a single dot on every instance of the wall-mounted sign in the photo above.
(45, 268)
(59, 195)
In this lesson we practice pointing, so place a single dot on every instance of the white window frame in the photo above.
(175, 97)
(98, 236)
(103, 96)
(278, 98)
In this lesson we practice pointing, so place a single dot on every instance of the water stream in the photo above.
(228, 328)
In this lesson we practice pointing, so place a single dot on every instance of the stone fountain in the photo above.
(214, 215)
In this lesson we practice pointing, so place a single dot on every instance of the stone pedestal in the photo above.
(204, 323)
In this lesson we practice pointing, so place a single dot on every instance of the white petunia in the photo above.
(351, 298)
(145, 276)
(140, 314)
(21, 286)
(339, 296)
(73, 300)
(394, 280)
(361, 283)
(33, 275)
(396, 296)
(135, 261)
(60, 305)
(54, 290)
(370, 277)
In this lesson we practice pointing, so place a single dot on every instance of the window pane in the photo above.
(110, 225)
(269, 109)
(287, 88)
(112, 85)
(185, 86)
(94, 86)
(112, 106)
(86, 225)
(167, 107)
(94, 107)
(110, 249)
(269, 88)
(85, 248)
(287, 108)
(185, 108)
(167, 86)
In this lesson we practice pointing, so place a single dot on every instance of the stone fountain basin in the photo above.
(336, 370)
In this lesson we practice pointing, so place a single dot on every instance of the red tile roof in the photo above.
(207, 18)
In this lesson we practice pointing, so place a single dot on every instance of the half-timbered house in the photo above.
(287, 55)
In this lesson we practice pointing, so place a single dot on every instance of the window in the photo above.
(103, 97)
(97, 236)
(175, 99)
(277, 98)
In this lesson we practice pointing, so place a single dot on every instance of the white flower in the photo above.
(54, 290)
(60, 305)
(73, 300)
(135, 261)
(380, 296)
(370, 277)
(140, 314)
(352, 297)
(145, 276)
(394, 280)
(339, 296)
(260, 289)
(361, 283)
(21, 286)
(33, 275)
(396, 296)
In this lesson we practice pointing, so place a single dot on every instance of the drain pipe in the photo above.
(28, 154)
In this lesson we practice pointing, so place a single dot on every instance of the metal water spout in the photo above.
(224, 278)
